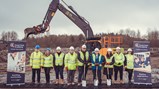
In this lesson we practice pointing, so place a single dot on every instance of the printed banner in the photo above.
(142, 64)
(16, 63)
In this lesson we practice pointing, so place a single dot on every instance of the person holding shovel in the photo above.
(97, 61)
(71, 65)
(83, 60)
(108, 67)
(130, 64)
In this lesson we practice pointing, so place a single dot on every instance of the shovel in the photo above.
(96, 80)
(108, 80)
(84, 77)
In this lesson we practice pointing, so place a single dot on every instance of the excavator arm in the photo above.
(45, 23)
(82, 23)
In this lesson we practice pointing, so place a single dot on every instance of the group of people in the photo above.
(111, 63)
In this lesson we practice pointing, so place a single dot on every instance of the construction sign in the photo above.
(16, 63)
(142, 64)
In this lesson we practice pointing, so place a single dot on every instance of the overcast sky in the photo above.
(103, 15)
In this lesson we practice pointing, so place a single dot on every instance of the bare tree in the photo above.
(138, 35)
(121, 31)
(9, 36)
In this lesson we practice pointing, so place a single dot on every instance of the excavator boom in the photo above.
(73, 16)
(81, 22)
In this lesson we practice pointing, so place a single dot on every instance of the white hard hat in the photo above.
(58, 48)
(84, 46)
(109, 49)
(72, 48)
(117, 48)
(129, 50)
(96, 49)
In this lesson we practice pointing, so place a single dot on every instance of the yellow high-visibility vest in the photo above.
(59, 59)
(119, 59)
(82, 57)
(71, 61)
(130, 61)
(109, 60)
(36, 60)
(48, 61)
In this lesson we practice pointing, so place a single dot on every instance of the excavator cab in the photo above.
(93, 43)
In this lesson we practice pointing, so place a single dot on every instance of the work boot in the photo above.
(73, 83)
(115, 81)
(61, 81)
(121, 82)
(129, 82)
(79, 84)
(47, 83)
(38, 83)
(57, 81)
(68, 84)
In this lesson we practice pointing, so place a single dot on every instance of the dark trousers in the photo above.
(98, 74)
(116, 70)
(34, 72)
(130, 72)
(81, 72)
(108, 73)
(47, 74)
(59, 71)
(71, 74)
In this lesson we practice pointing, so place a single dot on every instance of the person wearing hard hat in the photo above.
(71, 65)
(36, 63)
(119, 62)
(59, 65)
(47, 64)
(83, 60)
(108, 67)
(130, 64)
(97, 60)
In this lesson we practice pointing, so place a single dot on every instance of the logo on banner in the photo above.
(138, 45)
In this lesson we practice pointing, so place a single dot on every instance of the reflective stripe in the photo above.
(71, 62)
(36, 58)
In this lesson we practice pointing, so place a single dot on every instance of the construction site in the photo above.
(44, 36)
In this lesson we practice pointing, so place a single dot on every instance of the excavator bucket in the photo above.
(34, 30)
(29, 31)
